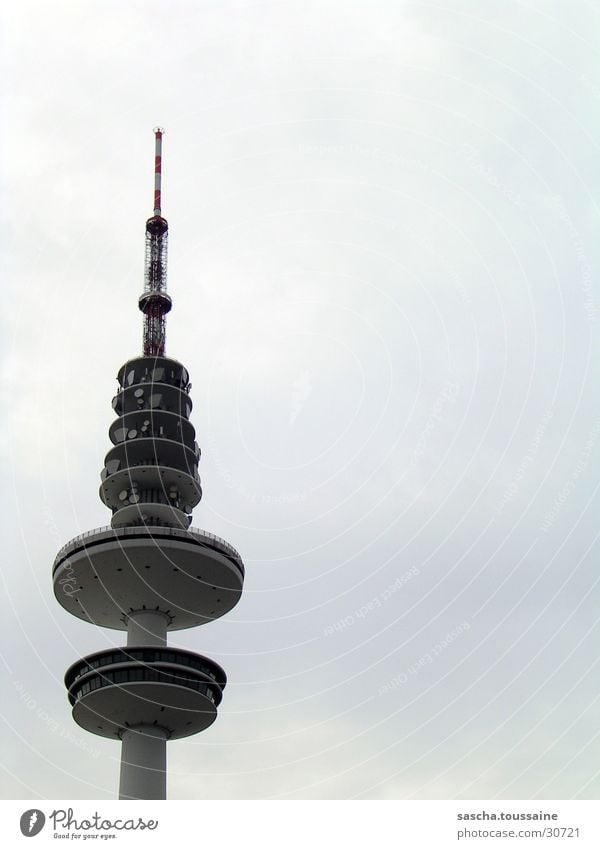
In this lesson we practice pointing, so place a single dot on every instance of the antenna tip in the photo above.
(158, 131)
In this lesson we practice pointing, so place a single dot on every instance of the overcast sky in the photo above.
(383, 260)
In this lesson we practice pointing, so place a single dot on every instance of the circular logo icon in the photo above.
(32, 822)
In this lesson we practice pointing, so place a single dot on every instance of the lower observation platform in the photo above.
(192, 576)
(178, 691)
(108, 711)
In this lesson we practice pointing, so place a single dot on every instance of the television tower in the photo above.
(149, 572)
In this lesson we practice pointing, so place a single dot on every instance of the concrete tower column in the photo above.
(143, 763)
(147, 628)
(144, 749)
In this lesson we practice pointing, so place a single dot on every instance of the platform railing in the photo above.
(218, 542)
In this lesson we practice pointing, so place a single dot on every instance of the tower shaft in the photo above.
(143, 763)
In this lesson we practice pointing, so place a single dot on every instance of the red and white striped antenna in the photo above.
(154, 301)
(158, 134)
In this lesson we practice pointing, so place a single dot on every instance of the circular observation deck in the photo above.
(122, 688)
(191, 576)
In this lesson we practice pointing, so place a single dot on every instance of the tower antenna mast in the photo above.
(158, 134)
(154, 302)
